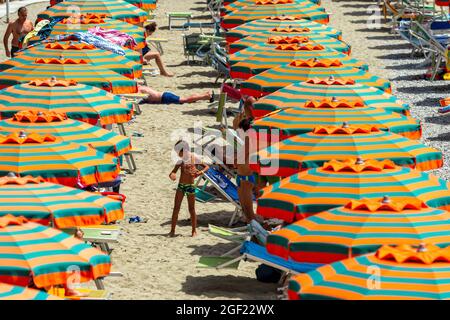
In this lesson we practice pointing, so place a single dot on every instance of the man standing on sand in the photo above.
(18, 28)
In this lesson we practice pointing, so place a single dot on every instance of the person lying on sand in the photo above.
(150, 55)
(188, 164)
(166, 97)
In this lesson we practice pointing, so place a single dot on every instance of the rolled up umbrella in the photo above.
(360, 227)
(49, 203)
(69, 69)
(86, 22)
(263, 41)
(9, 292)
(116, 9)
(56, 161)
(252, 61)
(337, 182)
(262, 11)
(76, 50)
(58, 125)
(301, 70)
(45, 256)
(334, 112)
(312, 150)
(299, 93)
(241, 4)
(78, 101)
(279, 24)
(401, 272)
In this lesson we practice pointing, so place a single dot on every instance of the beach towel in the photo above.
(114, 36)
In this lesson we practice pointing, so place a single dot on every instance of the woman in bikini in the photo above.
(188, 164)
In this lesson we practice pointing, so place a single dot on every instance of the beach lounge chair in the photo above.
(157, 43)
(100, 236)
(179, 16)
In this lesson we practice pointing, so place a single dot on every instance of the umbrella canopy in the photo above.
(360, 227)
(58, 125)
(278, 24)
(301, 70)
(69, 69)
(78, 101)
(76, 50)
(57, 161)
(116, 9)
(400, 272)
(143, 4)
(30, 251)
(256, 12)
(337, 182)
(241, 4)
(49, 203)
(330, 112)
(255, 60)
(299, 93)
(311, 150)
(86, 22)
(272, 39)
(9, 292)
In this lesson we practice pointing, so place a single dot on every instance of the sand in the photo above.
(158, 267)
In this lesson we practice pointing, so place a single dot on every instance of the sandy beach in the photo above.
(158, 267)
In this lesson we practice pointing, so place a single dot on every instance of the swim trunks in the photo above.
(250, 178)
(169, 98)
(14, 50)
(186, 188)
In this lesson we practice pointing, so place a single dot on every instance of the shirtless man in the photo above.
(18, 28)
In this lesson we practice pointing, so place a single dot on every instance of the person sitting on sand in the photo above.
(188, 164)
(150, 55)
(167, 97)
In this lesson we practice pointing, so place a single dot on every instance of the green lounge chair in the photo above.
(180, 16)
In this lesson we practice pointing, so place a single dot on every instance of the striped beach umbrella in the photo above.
(116, 9)
(76, 50)
(78, 101)
(145, 5)
(294, 121)
(286, 24)
(46, 256)
(56, 161)
(255, 12)
(400, 272)
(241, 4)
(299, 93)
(337, 182)
(273, 39)
(301, 70)
(58, 125)
(49, 203)
(247, 63)
(9, 292)
(312, 150)
(69, 69)
(86, 22)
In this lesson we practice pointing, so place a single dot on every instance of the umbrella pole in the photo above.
(7, 11)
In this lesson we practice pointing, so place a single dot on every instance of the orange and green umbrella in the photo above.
(330, 112)
(255, 12)
(85, 22)
(9, 292)
(252, 61)
(299, 93)
(360, 227)
(313, 149)
(49, 203)
(58, 125)
(115, 9)
(69, 69)
(241, 4)
(76, 50)
(401, 272)
(45, 256)
(302, 70)
(337, 182)
(56, 161)
(263, 41)
(79, 101)
(285, 24)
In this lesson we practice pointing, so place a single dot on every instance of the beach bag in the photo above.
(267, 274)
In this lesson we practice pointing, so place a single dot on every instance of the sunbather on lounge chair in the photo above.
(171, 98)
(188, 164)
(150, 55)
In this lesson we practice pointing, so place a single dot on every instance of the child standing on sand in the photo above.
(188, 164)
